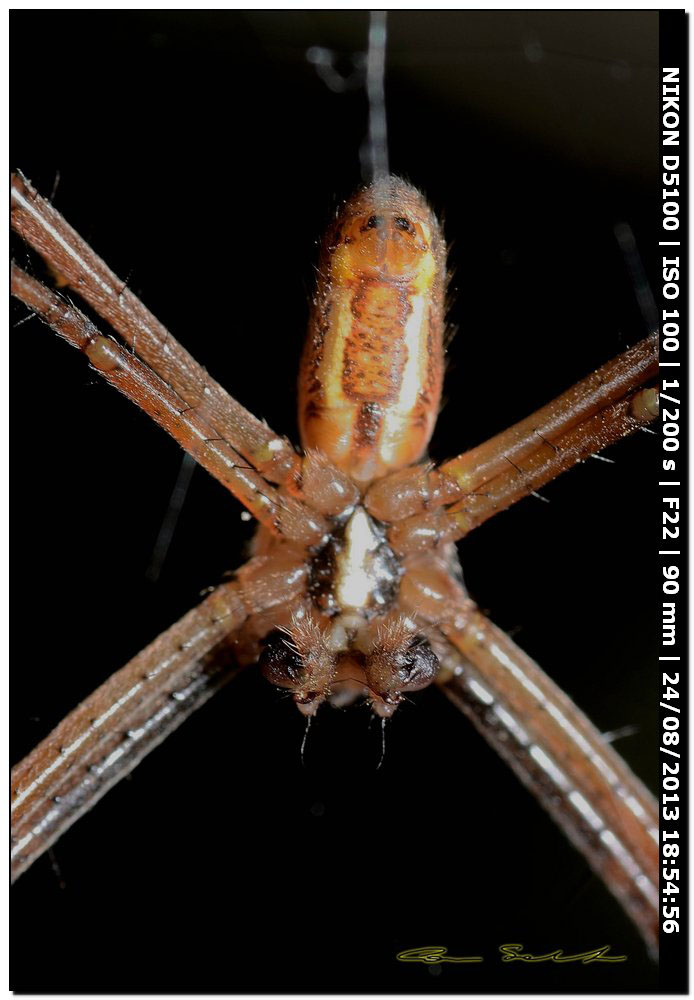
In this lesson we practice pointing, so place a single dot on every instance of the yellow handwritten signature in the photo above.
(433, 956)
(510, 953)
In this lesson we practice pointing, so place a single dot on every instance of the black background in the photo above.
(201, 155)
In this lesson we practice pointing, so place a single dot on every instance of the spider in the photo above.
(224, 561)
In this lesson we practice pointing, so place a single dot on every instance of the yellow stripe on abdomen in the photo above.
(370, 380)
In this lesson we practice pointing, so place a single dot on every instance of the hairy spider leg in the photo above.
(588, 438)
(415, 490)
(425, 531)
(278, 510)
(574, 772)
(44, 229)
(110, 732)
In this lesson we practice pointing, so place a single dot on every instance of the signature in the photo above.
(433, 956)
(510, 953)
(515, 953)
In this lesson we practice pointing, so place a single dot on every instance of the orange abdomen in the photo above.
(371, 374)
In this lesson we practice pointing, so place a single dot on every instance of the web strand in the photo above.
(375, 163)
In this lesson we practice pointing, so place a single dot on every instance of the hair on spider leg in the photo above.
(405, 699)
(512, 631)
(54, 189)
(531, 492)
(62, 884)
(621, 733)
(122, 289)
(24, 319)
(546, 441)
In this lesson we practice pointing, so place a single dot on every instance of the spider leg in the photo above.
(425, 531)
(69, 256)
(416, 490)
(44, 228)
(109, 733)
(604, 387)
(574, 772)
(282, 513)
(593, 796)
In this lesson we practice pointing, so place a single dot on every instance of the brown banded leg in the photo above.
(426, 531)
(416, 490)
(114, 758)
(593, 796)
(279, 511)
(576, 775)
(68, 255)
(108, 734)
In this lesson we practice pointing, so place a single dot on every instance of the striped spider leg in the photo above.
(178, 665)
(307, 505)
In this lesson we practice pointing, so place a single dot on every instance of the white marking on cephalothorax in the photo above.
(354, 586)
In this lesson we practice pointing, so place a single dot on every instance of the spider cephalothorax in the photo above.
(348, 638)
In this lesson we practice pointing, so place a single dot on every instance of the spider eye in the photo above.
(373, 222)
(418, 665)
(404, 224)
(280, 664)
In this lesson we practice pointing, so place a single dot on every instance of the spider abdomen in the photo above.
(371, 374)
